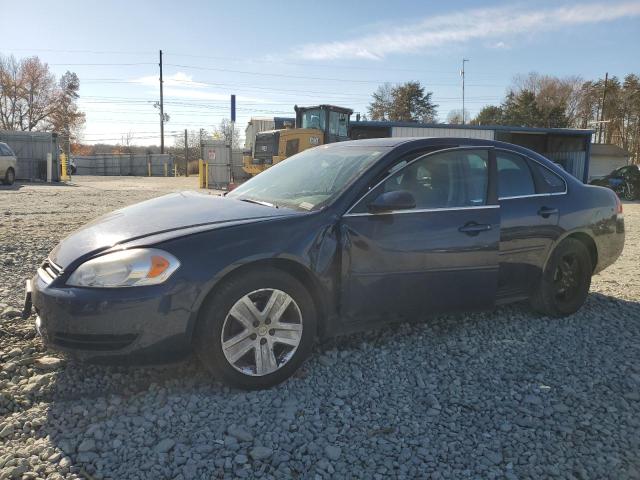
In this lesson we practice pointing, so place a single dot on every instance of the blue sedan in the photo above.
(338, 238)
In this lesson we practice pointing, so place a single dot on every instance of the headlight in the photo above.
(126, 268)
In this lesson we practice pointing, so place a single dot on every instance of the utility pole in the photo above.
(462, 74)
(161, 109)
(604, 97)
(186, 154)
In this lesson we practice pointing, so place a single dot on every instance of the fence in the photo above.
(32, 149)
(156, 165)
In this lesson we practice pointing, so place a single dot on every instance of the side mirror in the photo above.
(397, 200)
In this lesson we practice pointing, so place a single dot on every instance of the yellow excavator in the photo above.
(315, 126)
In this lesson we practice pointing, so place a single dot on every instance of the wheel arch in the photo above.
(584, 238)
(588, 242)
(297, 270)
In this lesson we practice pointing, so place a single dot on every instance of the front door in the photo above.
(440, 255)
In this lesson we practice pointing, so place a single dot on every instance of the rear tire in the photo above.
(565, 282)
(9, 177)
(629, 191)
(267, 314)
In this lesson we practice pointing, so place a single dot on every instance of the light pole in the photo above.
(462, 74)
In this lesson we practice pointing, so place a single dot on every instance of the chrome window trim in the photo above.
(420, 210)
(533, 195)
(444, 150)
(528, 158)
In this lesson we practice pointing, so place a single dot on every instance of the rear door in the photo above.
(531, 198)
(440, 255)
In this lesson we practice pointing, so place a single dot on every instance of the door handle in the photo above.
(545, 212)
(473, 228)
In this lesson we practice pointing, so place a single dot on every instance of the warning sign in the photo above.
(211, 154)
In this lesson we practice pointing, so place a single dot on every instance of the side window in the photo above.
(451, 179)
(338, 124)
(514, 175)
(4, 150)
(550, 182)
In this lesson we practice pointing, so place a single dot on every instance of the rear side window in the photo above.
(550, 182)
(514, 176)
(451, 179)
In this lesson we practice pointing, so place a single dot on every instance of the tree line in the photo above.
(33, 99)
(611, 108)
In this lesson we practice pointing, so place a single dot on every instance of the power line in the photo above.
(100, 64)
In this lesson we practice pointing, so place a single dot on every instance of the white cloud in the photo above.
(466, 26)
(498, 45)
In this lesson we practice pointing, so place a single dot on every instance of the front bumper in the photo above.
(134, 325)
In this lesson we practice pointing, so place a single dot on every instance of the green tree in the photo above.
(382, 99)
(489, 115)
(406, 102)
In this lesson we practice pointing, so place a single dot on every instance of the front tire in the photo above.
(9, 177)
(566, 280)
(256, 329)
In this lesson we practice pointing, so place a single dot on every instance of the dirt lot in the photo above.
(504, 394)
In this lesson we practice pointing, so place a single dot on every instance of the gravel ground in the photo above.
(506, 394)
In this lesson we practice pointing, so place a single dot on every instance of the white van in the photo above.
(8, 162)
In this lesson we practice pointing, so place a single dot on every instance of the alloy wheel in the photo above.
(566, 278)
(261, 332)
(629, 192)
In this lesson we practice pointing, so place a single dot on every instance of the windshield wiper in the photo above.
(259, 202)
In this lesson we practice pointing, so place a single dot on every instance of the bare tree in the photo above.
(66, 117)
(31, 99)
(454, 117)
(224, 132)
(382, 100)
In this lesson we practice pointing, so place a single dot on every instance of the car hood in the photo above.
(175, 212)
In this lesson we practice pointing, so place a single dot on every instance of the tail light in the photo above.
(618, 206)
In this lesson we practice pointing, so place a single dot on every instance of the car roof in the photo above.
(395, 141)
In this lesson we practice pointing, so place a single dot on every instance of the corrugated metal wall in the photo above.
(441, 132)
(216, 155)
(32, 148)
(572, 162)
(134, 165)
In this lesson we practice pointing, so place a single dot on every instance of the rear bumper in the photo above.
(609, 240)
(126, 325)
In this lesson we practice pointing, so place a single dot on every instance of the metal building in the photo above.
(570, 148)
(32, 150)
(605, 158)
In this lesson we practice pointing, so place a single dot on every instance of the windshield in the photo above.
(314, 118)
(311, 179)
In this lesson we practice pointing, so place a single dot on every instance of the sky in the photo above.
(274, 55)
